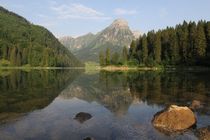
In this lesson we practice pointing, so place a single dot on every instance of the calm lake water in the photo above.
(42, 104)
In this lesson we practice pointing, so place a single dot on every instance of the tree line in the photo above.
(107, 58)
(186, 44)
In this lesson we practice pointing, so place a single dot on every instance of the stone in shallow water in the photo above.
(203, 133)
(174, 118)
(82, 117)
(88, 138)
(195, 105)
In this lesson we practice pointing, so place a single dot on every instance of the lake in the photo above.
(42, 104)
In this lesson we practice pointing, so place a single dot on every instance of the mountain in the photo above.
(136, 34)
(115, 37)
(22, 43)
(74, 44)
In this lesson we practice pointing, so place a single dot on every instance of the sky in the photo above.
(78, 17)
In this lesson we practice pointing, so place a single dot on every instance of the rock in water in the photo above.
(174, 118)
(203, 133)
(195, 104)
(82, 117)
(88, 138)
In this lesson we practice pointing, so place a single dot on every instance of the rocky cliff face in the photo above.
(118, 34)
(115, 37)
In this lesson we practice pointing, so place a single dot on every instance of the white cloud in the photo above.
(120, 11)
(77, 11)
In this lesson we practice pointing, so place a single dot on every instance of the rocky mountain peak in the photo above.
(120, 23)
(115, 36)
(90, 33)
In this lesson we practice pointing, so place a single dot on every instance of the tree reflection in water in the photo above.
(118, 90)
(25, 91)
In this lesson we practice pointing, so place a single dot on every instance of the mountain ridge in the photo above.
(117, 35)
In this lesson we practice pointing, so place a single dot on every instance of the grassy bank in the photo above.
(95, 67)
(154, 68)
(90, 66)
(126, 68)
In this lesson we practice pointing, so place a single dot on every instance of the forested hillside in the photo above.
(22, 43)
(186, 44)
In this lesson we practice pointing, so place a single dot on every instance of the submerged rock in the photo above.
(82, 117)
(88, 138)
(174, 118)
(203, 133)
(195, 105)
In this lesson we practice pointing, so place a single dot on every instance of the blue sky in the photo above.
(78, 17)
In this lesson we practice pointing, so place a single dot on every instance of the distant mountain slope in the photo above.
(23, 43)
(74, 44)
(115, 37)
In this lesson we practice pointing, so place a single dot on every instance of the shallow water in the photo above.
(42, 104)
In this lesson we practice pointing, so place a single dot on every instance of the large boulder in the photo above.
(174, 118)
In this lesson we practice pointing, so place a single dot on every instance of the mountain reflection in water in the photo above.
(121, 104)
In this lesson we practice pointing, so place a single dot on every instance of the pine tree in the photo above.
(125, 55)
(115, 59)
(151, 41)
(45, 59)
(101, 59)
(173, 44)
(191, 49)
(165, 46)
(18, 61)
(108, 56)
(157, 48)
(139, 56)
(208, 37)
(29, 55)
(133, 49)
(183, 40)
(144, 49)
(5, 50)
(13, 56)
(25, 56)
(200, 42)
(139, 50)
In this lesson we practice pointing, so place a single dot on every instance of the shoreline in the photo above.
(115, 68)
(39, 68)
(126, 68)
(168, 68)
